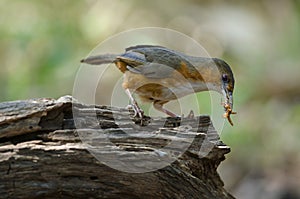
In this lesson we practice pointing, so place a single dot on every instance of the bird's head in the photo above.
(226, 81)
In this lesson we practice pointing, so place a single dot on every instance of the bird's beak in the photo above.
(230, 99)
(228, 96)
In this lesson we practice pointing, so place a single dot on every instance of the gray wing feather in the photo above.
(133, 58)
(151, 61)
(152, 70)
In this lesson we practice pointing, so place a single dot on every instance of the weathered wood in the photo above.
(45, 147)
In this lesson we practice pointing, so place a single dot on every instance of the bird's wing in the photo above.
(152, 70)
(152, 61)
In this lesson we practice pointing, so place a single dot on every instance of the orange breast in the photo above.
(164, 89)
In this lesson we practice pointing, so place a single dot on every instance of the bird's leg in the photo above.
(137, 110)
(158, 105)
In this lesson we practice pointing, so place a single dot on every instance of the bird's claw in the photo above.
(138, 116)
(137, 111)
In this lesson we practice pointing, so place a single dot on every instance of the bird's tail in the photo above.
(100, 59)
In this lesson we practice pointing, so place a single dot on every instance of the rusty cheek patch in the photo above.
(190, 73)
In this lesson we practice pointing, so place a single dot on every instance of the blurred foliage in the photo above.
(43, 41)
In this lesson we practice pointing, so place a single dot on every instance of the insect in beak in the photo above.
(228, 104)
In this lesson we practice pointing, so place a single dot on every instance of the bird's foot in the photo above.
(138, 115)
(137, 111)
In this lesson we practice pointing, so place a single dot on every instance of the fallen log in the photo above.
(64, 149)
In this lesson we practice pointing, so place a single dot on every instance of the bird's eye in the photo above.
(225, 78)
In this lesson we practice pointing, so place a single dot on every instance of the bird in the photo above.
(158, 75)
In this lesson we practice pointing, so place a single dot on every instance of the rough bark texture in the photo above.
(43, 154)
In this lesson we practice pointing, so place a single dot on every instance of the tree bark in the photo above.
(64, 149)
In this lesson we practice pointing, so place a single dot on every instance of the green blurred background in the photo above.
(42, 43)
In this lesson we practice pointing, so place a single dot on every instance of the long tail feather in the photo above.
(100, 59)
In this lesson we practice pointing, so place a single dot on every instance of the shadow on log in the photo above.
(63, 149)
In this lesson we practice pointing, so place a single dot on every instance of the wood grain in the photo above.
(45, 147)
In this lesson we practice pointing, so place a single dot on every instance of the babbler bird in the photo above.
(158, 74)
